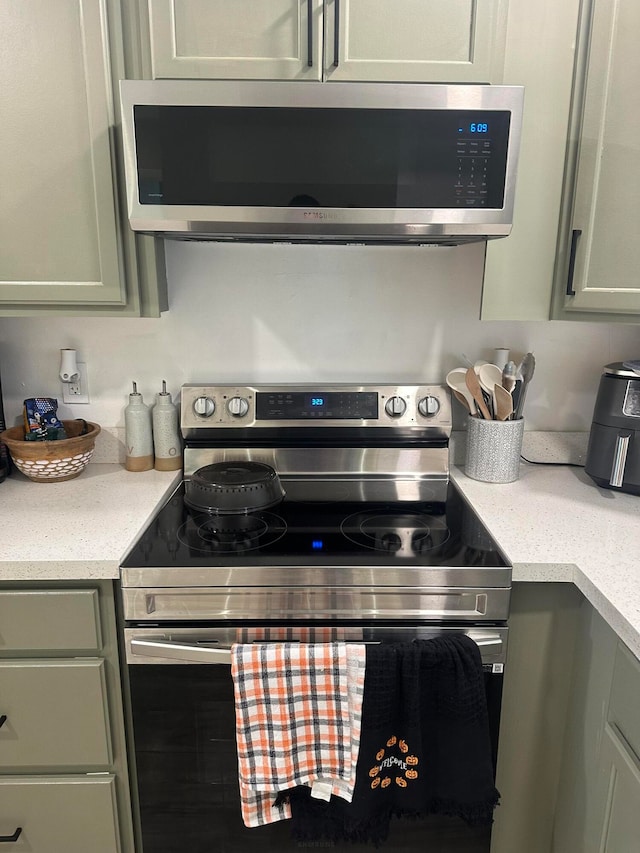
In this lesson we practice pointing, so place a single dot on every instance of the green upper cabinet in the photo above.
(599, 250)
(378, 40)
(540, 55)
(65, 246)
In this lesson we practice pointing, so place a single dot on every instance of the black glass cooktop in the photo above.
(307, 532)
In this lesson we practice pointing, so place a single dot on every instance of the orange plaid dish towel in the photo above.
(298, 711)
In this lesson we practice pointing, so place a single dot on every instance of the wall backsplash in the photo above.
(306, 313)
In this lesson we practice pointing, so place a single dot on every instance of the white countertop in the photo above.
(77, 529)
(553, 524)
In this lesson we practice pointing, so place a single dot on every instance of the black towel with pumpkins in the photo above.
(425, 747)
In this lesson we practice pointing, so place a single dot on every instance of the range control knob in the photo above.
(395, 407)
(238, 407)
(204, 407)
(429, 406)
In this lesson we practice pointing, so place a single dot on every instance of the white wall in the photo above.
(301, 313)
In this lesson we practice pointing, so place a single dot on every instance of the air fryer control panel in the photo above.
(631, 404)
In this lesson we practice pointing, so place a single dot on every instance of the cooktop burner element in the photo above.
(230, 534)
(307, 532)
(394, 531)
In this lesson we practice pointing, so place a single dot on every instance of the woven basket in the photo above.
(52, 461)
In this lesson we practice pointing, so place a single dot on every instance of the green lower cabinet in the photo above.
(49, 814)
(619, 783)
(64, 781)
(618, 777)
(56, 714)
(37, 620)
(569, 752)
(598, 808)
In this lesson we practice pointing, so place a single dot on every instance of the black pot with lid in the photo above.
(233, 487)
(613, 454)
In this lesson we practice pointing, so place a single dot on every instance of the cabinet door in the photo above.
(403, 40)
(620, 781)
(539, 55)
(600, 254)
(57, 214)
(64, 814)
(453, 41)
(236, 39)
(49, 619)
(55, 715)
(65, 247)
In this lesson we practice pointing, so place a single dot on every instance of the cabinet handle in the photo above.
(3, 720)
(9, 838)
(310, 33)
(575, 234)
(336, 36)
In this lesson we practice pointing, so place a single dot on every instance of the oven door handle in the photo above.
(181, 651)
(222, 654)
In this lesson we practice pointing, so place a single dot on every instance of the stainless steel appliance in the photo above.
(613, 454)
(316, 162)
(370, 542)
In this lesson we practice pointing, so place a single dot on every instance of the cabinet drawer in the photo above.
(49, 620)
(55, 715)
(72, 814)
(624, 705)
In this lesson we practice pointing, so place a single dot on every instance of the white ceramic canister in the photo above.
(166, 438)
(138, 434)
(501, 356)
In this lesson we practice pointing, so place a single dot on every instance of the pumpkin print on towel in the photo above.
(393, 765)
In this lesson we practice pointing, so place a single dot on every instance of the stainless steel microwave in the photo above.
(321, 162)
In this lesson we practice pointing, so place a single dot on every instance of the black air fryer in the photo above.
(613, 455)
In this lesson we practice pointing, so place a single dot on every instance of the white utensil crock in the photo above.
(493, 450)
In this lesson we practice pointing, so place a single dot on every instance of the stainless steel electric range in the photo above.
(308, 512)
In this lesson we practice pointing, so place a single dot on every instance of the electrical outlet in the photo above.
(78, 391)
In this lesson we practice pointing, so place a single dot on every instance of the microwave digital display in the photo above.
(321, 157)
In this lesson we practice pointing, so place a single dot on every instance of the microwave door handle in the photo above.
(619, 459)
(181, 651)
(336, 35)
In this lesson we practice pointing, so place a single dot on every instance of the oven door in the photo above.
(185, 748)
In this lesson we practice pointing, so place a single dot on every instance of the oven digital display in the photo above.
(304, 406)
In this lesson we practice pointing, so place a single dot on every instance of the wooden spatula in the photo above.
(473, 384)
(504, 403)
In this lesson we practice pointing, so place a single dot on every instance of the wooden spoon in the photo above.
(473, 384)
(504, 403)
(462, 399)
(456, 380)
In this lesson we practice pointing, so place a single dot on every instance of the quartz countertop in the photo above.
(77, 529)
(553, 524)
